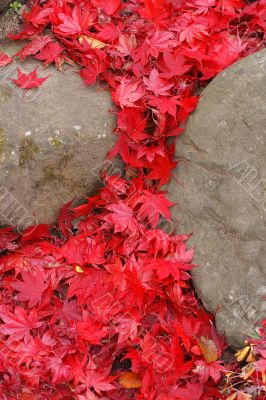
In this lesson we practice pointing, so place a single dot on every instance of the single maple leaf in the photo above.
(98, 378)
(229, 7)
(5, 59)
(190, 391)
(30, 80)
(203, 6)
(157, 85)
(130, 380)
(31, 288)
(133, 123)
(38, 16)
(127, 329)
(152, 206)
(89, 74)
(192, 32)
(110, 7)
(122, 217)
(156, 11)
(35, 233)
(75, 24)
(50, 53)
(69, 25)
(19, 325)
(173, 65)
(158, 42)
(165, 104)
(150, 152)
(128, 92)
(83, 250)
(7, 239)
(60, 371)
(91, 331)
(36, 45)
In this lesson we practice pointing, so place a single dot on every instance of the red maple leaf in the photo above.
(158, 42)
(38, 16)
(7, 238)
(36, 45)
(165, 104)
(4, 59)
(150, 152)
(156, 10)
(230, 6)
(91, 331)
(50, 53)
(30, 80)
(31, 288)
(133, 123)
(193, 31)
(110, 7)
(99, 379)
(152, 206)
(74, 22)
(203, 6)
(122, 217)
(60, 371)
(19, 325)
(173, 65)
(190, 391)
(157, 85)
(128, 92)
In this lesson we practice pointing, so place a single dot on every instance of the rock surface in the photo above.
(4, 4)
(220, 188)
(53, 141)
(10, 22)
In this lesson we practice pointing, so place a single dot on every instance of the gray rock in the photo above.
(10, 22)
(53, 141)
(220, 188)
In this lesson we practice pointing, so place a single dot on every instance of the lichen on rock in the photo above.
(27, 150)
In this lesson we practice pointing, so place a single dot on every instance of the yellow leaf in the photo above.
(79, 270)
(245, 354)
(94, 43)
(208, 349)
(130, 380)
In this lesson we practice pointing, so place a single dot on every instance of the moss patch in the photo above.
(2, 140)
(27, 150)
(55, 143)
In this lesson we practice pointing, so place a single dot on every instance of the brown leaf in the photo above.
(208, 349)
(130, 380)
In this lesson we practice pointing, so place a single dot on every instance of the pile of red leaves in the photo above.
(103, 308)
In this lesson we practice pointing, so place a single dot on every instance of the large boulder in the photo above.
(53, 141)
(220, 188)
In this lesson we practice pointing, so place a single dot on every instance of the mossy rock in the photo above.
(53, 141)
